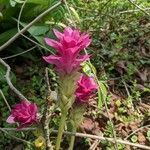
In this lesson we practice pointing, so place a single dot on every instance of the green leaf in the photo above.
(13, 3)
(102, 94)
(38, 30)
(7, 35)
(148, 135)
(8, 13)
(88, 69)
(2, 76)
(118, 103)
(134, 138)
(2, 73)
(146, 89)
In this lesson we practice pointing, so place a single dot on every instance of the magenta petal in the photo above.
(10, 119)
(52, 59)
(58, 34)
(69, 42)
(68, 31)
(86, 88)
(53, 43)
(33, 109)
(24, 103)
(83, 58)
(85, 43)
(76, 34)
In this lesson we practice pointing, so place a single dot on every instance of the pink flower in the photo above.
(24, 113)
(86, 88)
(68, 47)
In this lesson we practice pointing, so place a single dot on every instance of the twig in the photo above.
(46, 127)
(7, 77)
(147, 126)
(12, 56)
(17, 138)
(107, 139)
(128, 93)
(125, 85)
(47, 114)
(5, 100)
(29, 25)
(15, 129)
(130, 11)
(94, 145)
(92, 137)
(137, 6)
(47, 81)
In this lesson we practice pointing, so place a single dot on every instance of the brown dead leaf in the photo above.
(133, 125)
(144, 108)
(122, 130)
(87, 125)
(105, 114)
(90, 126)
(121, 67)
(96, 130)
(140, 87)
(115, 97)
(143, 74)
(128, 147)
(141, 138)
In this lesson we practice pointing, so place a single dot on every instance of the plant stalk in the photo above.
(61, 130)
(71, 145)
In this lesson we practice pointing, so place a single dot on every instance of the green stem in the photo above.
(61, 130)
(71, 145)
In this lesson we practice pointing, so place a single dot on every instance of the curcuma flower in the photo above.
(24, 113)
(85, 90)
(68, 47)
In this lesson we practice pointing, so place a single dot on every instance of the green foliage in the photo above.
(3, 85)
(102, 94)
(37, 32)
(5, 36)
(32, 9)
(148, 135)
(134, 138)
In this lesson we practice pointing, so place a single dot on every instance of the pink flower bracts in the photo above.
(68, 47)
(24, 113)
(86, 88)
